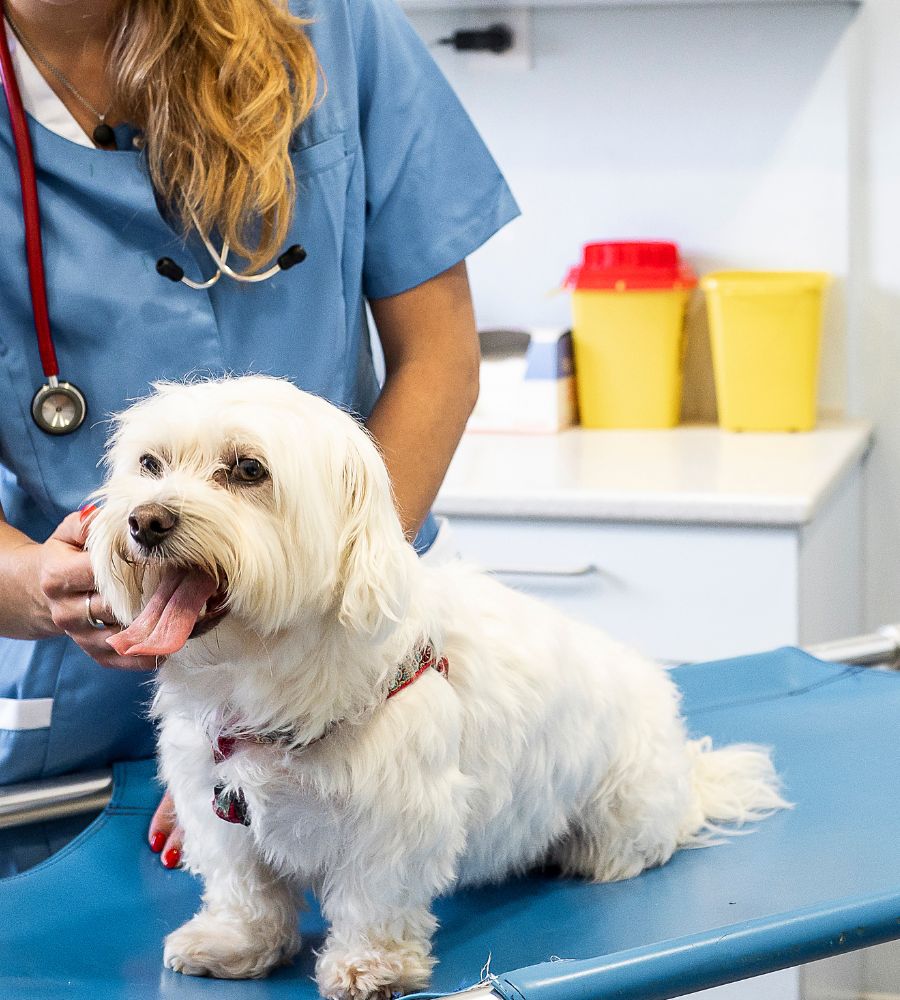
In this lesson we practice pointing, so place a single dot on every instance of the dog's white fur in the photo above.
(550, 740)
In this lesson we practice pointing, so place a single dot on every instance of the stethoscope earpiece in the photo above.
(169, 269)
(293, 255)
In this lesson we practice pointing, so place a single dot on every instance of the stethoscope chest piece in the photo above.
(58, 407)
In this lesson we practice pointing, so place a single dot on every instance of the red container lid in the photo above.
(630, 265)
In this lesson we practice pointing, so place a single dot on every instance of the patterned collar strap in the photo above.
(224, 747)
(409, 672)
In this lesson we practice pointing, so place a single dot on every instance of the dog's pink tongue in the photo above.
(165, 624)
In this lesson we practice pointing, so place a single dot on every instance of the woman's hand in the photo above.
(67, 584)
(49, 590)
(165, 835)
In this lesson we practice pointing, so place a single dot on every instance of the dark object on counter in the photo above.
(497, 38)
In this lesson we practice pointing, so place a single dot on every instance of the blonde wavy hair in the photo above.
(219, 87)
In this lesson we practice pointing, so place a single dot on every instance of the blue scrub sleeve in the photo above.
(433, 191)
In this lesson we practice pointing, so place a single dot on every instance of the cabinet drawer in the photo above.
(677, 592)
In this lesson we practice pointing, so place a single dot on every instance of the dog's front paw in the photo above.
(224, 946)
(372, 970)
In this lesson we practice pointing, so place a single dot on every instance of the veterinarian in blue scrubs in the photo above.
(394, 189)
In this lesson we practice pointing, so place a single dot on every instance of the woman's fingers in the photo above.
(73, 528)
(99, 611)
(70, 615)
(166, 836)
(66, 567)
(163, 823)
(171, 854)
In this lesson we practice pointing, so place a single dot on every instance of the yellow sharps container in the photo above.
(628, 305)
(765, 328)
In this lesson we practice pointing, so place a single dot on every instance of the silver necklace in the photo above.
(103, 134)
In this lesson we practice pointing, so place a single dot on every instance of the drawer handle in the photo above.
(588, 569)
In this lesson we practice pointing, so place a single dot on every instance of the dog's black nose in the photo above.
(151, 524)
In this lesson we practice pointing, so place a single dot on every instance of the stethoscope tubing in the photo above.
(168, 268)
(34, 252)
(223, 268)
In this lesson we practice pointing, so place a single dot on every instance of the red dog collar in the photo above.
(229, 803)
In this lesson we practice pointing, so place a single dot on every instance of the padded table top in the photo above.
(819, 879)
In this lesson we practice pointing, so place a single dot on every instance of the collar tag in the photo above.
(229, 804)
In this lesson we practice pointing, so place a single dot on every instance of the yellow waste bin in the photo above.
(628, 305)
(765, 329)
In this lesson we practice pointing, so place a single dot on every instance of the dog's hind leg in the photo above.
(655, 803)
(608, 843)
(634, 817)
(247, 924)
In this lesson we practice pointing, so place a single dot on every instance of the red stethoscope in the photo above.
(59, 407)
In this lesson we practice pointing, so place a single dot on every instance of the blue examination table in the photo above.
(820, 879)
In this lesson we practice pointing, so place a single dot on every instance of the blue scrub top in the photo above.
(394, 187)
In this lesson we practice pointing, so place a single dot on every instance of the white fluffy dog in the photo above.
(261, 518)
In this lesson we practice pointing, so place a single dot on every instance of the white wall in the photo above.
(874, 361)
(756, 135)
(874, 330)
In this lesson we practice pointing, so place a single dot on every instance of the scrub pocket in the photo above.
(319, 156)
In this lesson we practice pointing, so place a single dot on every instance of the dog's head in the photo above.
(245, 497)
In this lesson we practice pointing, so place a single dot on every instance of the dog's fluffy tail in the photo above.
(733, 785)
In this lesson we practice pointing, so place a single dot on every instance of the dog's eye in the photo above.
(151, 465)
(248, 470)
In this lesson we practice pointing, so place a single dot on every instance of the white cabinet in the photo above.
(689, 544)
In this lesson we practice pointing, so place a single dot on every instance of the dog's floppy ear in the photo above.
(375, 557)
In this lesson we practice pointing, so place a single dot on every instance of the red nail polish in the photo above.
(171, 858)
(87, 511)
(157, 841)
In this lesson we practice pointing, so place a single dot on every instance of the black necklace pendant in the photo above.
(104, 135)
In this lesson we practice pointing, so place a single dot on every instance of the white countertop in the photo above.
(692, 473)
